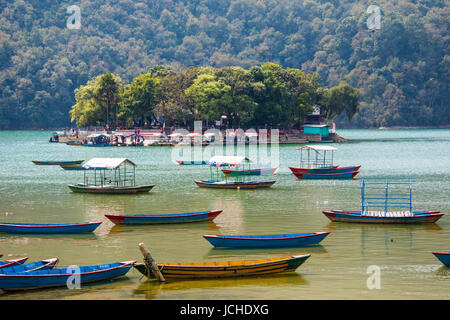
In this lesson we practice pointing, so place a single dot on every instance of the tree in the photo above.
(341, 98)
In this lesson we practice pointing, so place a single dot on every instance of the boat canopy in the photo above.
(222, 161)
(107, 163)
(317, 148)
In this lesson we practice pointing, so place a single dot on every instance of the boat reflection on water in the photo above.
(232, 253)
(176, 227)
(175, 289)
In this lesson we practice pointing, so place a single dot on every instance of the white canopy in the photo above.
(317, 148)
(94, 135)
(107, 163)
(221, 161)
(193, 134)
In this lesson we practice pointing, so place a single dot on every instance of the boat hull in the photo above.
(110, 190)
(266, 241)
(444, 257)
(339, 175)
(62, 276)
(56, 163)
(48, 228)
(334, 169)
(234, 185)
(226, 269)
(356, 216)
(164, 218)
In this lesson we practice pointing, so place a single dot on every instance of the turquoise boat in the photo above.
(443, 257)
(57, 163)
(64, 228)
(164, 218)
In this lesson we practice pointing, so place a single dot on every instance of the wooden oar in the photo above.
(150, 263)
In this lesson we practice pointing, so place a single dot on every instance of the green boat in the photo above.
(109, 176)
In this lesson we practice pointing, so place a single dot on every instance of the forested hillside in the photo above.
(402, 69)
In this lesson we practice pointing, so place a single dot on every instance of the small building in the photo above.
(322, 129)
(314, 128)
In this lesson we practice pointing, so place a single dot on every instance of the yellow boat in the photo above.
(222, 269)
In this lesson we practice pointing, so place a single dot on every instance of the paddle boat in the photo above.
(57, 163)
(60, 276)
(444, 257)
(266, 241)
(319, 166)
(164, 218)
(219, 180)
(217, 269)
(48, 228)
(98, 140)
(110, 176)
(392, 195)
(32, 266)
(9, 263)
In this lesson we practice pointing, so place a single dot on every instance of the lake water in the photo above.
(337, 268)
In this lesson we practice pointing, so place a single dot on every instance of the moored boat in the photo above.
(60, 276)
(192, 163)
(249, 172)
(334, 169)
(383, 217)
(234, 184)
(164, 218)
(338, 175)
(56, 163)
(266, 241)
(444, 257)
(385, 194)
(48, 228)
(32, 266)
(109, 176)
(82, 188)
(8, 263)
(225, 269)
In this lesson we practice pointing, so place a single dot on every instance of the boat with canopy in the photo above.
(110, 176)
(317, 162)
(223, 181)
(378, 198)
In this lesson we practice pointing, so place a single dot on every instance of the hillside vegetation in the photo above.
(401, 70)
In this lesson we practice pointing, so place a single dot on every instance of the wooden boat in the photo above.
(110, 176)
(164, 218)
(59, 276)
(249, 172)
(48, 228)
(8, 263)
(334, 169)
(77, 167)
(32, 266)
(376, 193)
(316, 165)
(339, 175)
(383, 217)
(234, 184)
(266, 241)
(192, 163)
(222, 269)
(444, 257)
(82, 188)
(56, 163)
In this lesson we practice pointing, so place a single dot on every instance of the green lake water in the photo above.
(337, 268)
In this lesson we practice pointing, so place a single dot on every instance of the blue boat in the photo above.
(8, 263)
(32, 266)
(57, 163)
(336, 175)
(61, 276)
(164, 218)
(265, 241)
(192, 163)
(48, 228)
(444, 257)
